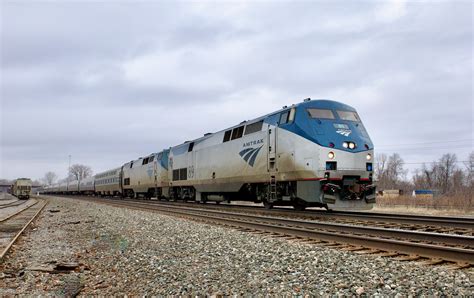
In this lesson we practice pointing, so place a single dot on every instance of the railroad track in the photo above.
(14, 203)
(13, 226)
(437, 247)
(448, 225)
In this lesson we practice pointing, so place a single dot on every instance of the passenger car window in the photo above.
(321, 114)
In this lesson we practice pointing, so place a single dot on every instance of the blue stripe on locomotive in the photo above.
(164, 159)
(323, 131)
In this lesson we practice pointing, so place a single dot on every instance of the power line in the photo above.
(424, 148)
(423, 162)
(426, 143)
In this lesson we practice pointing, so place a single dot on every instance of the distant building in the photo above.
(390, 193)
(425, 193)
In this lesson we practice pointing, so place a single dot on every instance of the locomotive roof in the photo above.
(312, 103)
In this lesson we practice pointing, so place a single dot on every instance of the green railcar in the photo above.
(22, 188)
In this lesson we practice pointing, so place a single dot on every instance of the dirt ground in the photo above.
(424, 211)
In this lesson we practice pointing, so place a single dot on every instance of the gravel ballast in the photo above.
(88, 248)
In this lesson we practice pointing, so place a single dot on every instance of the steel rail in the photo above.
(455, 254)
(444, 221)
(455, 222)
(12, 204)
(18, 234)
(454, 240)
(439, 221)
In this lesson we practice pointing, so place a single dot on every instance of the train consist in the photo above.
(21, 188)
(315, 153)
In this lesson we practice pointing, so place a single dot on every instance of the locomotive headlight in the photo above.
(352, 145)
(331, 155)
(345, 144)
(369, 156)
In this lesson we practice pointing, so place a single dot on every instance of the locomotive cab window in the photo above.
(348, 115)
(191, 146)
(237, 132)
(321, 114)
(227, 136)
(254, 127)
(284, 117)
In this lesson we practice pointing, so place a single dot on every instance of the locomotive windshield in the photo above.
(347, 115)
(320, 114)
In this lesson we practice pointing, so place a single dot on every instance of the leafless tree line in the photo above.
(446, 175)
(76, 172)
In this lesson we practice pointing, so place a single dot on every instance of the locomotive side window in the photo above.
(183, 174)
(227, 136)
(284, 118)
(126, 181)
(348, 115)
(176, 175)
(191, 146)
(237, 132)
(150, 159)
(254, 127)
(321, 114)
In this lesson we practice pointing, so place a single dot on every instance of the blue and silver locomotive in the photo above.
(313, 154)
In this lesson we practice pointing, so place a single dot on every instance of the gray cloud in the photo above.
(108, 82)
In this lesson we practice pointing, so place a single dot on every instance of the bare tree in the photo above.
(470, 170)
(389, 171)
(380, 165)
(395, 170)
(79, 172)
(445, 169)
(50, 177)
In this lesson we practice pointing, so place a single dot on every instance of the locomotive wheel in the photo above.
(299, 207)
(267, 205)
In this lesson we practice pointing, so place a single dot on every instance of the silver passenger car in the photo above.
(108, 183)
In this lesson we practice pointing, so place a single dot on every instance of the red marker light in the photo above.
(331, 145)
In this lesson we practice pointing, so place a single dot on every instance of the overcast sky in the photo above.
(109, 81)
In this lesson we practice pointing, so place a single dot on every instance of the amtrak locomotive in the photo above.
(313, 154)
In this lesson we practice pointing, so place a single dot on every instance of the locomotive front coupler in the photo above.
(368, 191)
(329, 187)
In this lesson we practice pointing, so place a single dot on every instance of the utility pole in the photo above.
(68, 172)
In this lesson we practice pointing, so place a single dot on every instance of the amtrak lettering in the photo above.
(254, 142)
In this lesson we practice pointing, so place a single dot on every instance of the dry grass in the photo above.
(458, 203)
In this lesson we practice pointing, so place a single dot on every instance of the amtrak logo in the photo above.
(250, 154)
(149, 171)
(344, 132)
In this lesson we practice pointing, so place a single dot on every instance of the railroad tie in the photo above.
(407, 258)
(434, 261)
